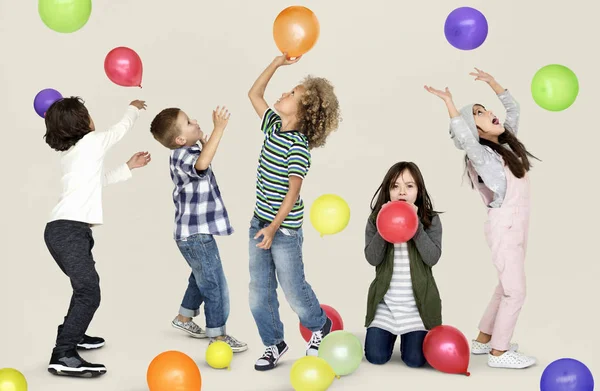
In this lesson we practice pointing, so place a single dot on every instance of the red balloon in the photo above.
(336, 320)
(447, 350)
(124, 67)
(397, 222)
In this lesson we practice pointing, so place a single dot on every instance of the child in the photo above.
(307, 115)
(68, 236)
(199, 215)
(403, 298)
(498, 165)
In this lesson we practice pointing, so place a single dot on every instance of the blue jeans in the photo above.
(283, 263)
(207, 283)
(379, 346)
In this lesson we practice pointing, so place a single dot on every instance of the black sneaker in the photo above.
(315, 341)
(88, 343)
(270, 357)
(71, 364)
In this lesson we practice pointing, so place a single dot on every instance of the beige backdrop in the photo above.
(379, 54)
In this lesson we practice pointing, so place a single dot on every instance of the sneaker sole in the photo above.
(198, 336)
(239, 349)
(504, 366)
(60, 370)
(89, 346)
(266, 368)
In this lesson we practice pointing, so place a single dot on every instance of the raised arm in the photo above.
(257, 91)
(209, 149)
(511, 106)
(460, 131)
(115, 133)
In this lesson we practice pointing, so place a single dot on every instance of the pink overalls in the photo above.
(506, 231)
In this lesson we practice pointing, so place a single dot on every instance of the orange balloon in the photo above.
(173, 371)
(296, 30)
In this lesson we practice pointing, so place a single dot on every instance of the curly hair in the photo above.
(164, 127)
(319, 112)
(67, 121)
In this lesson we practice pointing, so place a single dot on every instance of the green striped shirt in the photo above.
(283, 154)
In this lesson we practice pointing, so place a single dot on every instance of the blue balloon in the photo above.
(567, 374)
(44, 99)
(466, 28)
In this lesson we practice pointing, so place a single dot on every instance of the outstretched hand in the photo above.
(445, 95)
(138, 160)
(482, 76)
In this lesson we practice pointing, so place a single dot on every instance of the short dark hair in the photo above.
(67, 121)
(164, 127)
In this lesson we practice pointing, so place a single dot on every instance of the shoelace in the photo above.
(270, 352)
(316, 339)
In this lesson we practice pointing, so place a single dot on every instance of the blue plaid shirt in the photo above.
(199, 208)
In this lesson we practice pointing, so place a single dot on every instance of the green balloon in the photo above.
(342, 351)
(554, 87)
(65, 16)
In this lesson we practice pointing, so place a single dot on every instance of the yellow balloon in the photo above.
(219, 355)
(311, 374)
(12, 380)
(329, 214)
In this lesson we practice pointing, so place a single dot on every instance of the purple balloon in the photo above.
(567, 374)
(44, 99)
(466, 28)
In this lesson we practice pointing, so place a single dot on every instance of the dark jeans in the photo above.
(70, 243)
(379, 346)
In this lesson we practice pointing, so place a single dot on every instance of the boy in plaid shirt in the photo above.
(199, 214)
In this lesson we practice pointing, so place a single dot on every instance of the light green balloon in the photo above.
(342, 351)
(554, 87)
(65, 16)
(12, 380)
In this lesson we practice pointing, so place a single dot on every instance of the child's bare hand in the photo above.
(138, 160)
(483, 76)
(140, 104)
(445, 95)
(204, 140)
(221, 117)
(284, 60)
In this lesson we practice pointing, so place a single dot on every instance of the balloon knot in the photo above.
(468, 373)
(338, 376)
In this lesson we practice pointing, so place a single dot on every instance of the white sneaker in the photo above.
(485, 348)
(511, 360)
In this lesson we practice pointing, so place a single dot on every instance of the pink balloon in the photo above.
(124, 67)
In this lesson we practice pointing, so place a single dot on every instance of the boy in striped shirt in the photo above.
(307, 115)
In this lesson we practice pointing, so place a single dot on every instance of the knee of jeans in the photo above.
(377, 357)
(414, 360)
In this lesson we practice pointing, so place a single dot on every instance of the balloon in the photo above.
(336, 320)
(173, 370)
(219, 355)
(12, 380)
(329, 214)
(342, 351)
(447, 350)
(296, 30)
(124, 67)
(65, 16)
(311, 374)
(44, 99)
(397, 222)
(466, 28)
(567, 374)
(554, 87)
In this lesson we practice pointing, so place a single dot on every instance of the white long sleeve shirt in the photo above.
(83, 175)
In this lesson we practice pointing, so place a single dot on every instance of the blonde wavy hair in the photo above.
(319, 111)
